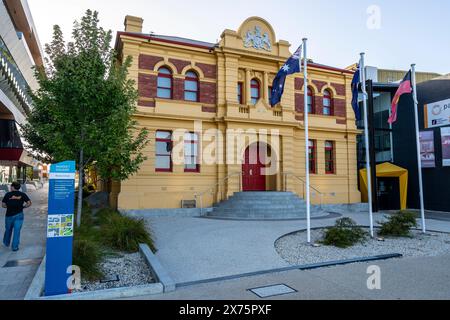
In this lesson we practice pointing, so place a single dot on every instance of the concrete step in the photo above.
(262, 214)
(283, 206)
(264, 195)
(261, 205)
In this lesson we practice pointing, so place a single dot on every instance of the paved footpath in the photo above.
(424, 278)
(14, 281)
(193, 249)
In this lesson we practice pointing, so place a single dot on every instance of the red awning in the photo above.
(14, 156)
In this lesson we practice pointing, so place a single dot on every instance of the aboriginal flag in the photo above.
(404, 88)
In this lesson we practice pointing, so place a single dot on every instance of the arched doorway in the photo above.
(254, 176)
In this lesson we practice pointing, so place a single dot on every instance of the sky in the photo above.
(393, 34)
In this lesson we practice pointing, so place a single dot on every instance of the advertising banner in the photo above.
(445, 136)
(437, 114)
(427, 155)
(60, 224)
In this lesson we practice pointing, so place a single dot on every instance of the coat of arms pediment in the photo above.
(258, 40)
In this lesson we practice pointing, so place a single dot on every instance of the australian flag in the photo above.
(355, 90)
(291, 66)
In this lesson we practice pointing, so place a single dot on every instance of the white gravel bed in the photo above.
(294, 249)
(130, 267)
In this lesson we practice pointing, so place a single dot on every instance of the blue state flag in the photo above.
(355, 91)
(291, 66)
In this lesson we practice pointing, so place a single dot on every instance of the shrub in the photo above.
(125, 233)
(398, 225)
(86, 215)
(88, 255)
(104, 215)
(344, 234)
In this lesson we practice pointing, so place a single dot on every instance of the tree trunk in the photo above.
(114, 194)
(80, 188)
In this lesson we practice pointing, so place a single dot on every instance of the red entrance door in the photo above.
(252, 177)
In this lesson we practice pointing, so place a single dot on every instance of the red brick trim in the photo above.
(299, 83)
(319, 84)
(147, 37)
(339, 108)
(208, 92)
(148, 62)
(340, 121)
(143, 103)
(340, 89)
(147, 85)
(318, 105)
(209, 70)
(179, 64)
(299, 102)
(330, 68)
(178, 89)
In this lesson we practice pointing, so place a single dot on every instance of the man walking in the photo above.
(14, 202)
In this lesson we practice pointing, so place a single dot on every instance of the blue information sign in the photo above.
(60, 225)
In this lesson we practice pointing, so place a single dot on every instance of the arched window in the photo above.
(191, 86)
(164, 83)
(255, 90)
(327, 103)
(311, 108)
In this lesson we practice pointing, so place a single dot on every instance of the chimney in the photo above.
(133, 24)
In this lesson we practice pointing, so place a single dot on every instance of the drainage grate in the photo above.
(272, 291)
(21, 263)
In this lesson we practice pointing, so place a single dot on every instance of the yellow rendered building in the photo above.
(213, 131)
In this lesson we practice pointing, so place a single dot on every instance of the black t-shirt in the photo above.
(14, 202)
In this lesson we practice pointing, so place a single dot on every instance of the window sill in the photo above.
(183, 102)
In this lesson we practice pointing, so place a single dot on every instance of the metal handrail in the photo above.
(217, 186)
(304, 183)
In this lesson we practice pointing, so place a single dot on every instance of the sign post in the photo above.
(445, 138)
(60, 224)
(437, 114)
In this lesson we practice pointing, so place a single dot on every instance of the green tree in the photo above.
(84, 106)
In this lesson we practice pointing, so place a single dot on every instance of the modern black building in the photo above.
(396, 144)
(436, 180)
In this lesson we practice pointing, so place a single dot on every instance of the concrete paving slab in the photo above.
(33, 241)
(193, 249)
(308, 288)
(413, 278)
(405, 278)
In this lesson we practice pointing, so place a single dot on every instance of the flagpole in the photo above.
(366, 139)
(306, 124)
(419, 161)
